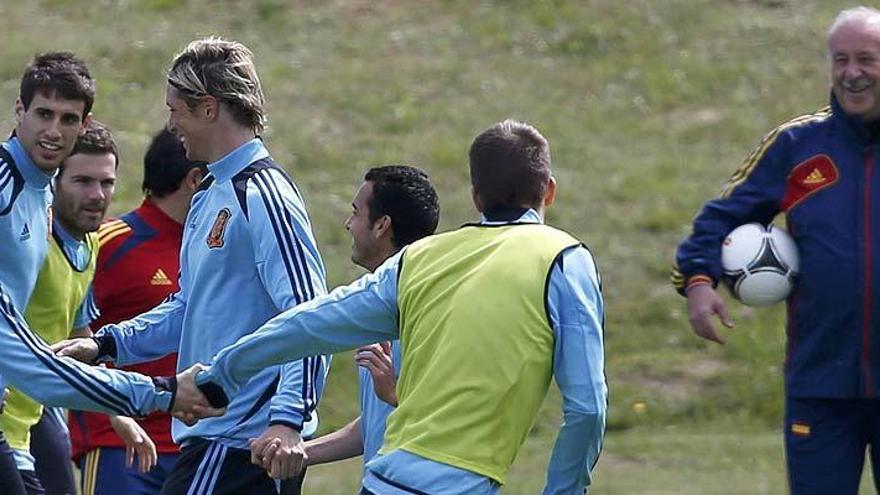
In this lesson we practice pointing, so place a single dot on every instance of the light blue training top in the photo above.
(247, 254)
(26, 362)
(366, 311)
(375, 411)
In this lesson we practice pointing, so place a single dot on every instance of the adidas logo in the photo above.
(814, 178)
(25, 234)
(159, 278)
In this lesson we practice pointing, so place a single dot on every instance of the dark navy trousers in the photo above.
(826, 441)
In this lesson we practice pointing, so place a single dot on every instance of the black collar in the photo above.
(504, 214)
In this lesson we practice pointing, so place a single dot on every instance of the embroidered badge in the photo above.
(807, 178)
(215, 237)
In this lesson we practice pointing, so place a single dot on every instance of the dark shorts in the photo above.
(826, 441)
(10, 479)
(205, 467)
(104, 473)
(32, 484)
(50, 446)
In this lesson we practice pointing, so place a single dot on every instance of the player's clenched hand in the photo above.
(85, 350)
(280, 450)
(137, 443)
(190, 404)
(704, 303)
(376, 358)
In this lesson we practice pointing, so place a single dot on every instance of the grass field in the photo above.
(649, 105)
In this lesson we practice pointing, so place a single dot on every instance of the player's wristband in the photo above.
(106, 347)
(698, 280)
(215, 394)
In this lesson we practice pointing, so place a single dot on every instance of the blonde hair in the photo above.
(225, 70)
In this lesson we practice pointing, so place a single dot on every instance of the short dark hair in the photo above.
(61, 74)
(95, 140)
(406, 195)
(510, 166)
(165, 165)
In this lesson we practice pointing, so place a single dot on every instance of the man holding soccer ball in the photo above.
(821, 171)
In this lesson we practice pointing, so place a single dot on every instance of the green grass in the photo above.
(684, 459)
(648, 105)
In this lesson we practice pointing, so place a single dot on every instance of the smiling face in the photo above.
(369, 244)
(854, 50)
(83, 192)
(48, 128)
(186, 124)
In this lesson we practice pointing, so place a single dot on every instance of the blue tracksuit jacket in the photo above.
(247, 254)
(822, 171)
(25, 360)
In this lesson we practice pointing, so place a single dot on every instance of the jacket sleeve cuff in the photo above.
(289, 419)
(166, 384)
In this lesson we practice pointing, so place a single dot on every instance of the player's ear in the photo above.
(210, 107)
(87, 121)
(550, 192)
(478, 203)
(193, 178)
(382, 227)
(19, 110)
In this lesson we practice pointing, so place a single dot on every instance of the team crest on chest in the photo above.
(215, 237)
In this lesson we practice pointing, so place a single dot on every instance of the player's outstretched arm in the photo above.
(147, 337)
(27, 363)
(704, 304)
(361, 313)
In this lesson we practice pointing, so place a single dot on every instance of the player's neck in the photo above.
(226, 139)
(388, 252)
(71, 229)
(174, 205)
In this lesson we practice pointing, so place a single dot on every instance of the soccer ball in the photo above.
(760, 264)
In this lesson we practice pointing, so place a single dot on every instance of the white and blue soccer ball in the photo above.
(760, 264)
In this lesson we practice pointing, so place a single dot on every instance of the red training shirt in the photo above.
(137, 269)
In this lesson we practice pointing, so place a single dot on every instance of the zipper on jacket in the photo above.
(866, 314)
